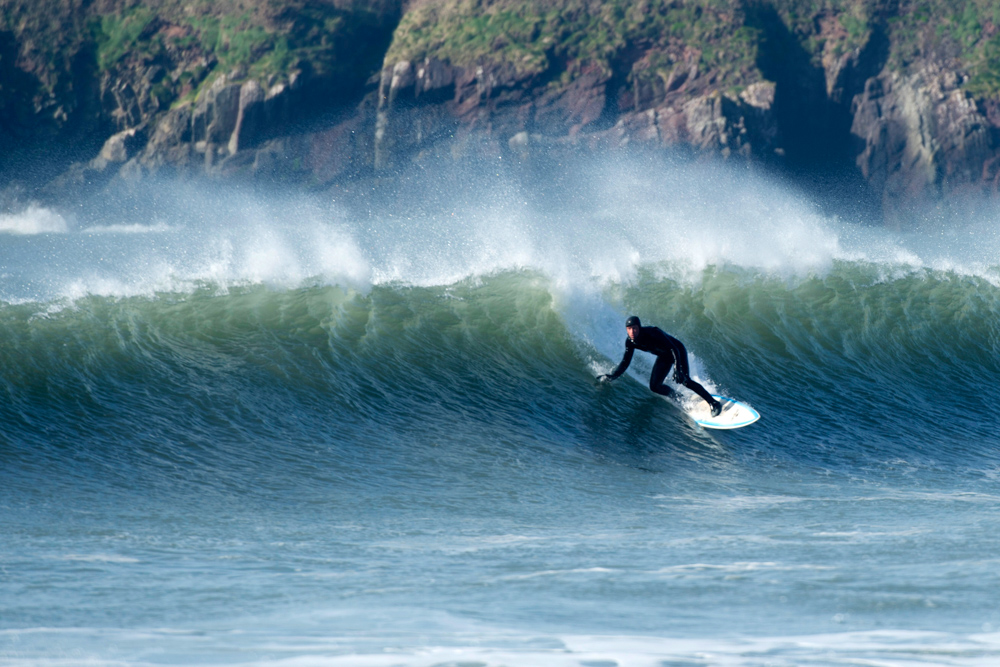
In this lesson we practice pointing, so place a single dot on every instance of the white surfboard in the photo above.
(734, 413)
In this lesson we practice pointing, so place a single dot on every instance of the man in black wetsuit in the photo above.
(669, 352)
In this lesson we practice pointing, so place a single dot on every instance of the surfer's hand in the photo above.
(604, 379)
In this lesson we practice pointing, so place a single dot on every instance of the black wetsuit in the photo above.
(669, 351)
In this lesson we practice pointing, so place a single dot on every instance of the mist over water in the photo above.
(280, 428)
(595, 221)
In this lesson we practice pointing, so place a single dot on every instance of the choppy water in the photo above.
(239, 430)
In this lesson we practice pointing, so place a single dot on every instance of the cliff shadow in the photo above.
(815, 125)
(17, 89)
(44, 128)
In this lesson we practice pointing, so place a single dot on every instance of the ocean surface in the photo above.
(249, 429)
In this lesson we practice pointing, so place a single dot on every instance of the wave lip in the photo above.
(607, 228)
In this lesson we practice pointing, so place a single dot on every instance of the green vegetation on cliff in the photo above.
(536, 35)
(967, 33)
(52, 42)
(725, 36)
(263, 40)
(119, 34)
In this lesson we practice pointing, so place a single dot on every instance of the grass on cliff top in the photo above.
(265, 39)
(533, 35)
(118, 34)
(262, 38)
(964, 35)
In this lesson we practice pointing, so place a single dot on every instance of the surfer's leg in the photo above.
(701, 391)
(682, 377)
(659, 374)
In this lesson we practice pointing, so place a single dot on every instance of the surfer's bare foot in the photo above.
(716, 408)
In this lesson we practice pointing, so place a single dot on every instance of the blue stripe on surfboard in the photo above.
(717, 425)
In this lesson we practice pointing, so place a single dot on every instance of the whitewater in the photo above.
(274, 428)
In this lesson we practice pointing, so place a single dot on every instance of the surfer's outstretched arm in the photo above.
(623, 366)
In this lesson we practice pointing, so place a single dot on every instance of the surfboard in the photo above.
(734, 413)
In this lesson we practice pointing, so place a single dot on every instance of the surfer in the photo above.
(669, 352)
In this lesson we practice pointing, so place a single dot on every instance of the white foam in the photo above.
(247, 242)
(485, 648)
(740, 567)
(557, 573)
(99, 558)
(33, 220)
(445, 249)
(155, 228)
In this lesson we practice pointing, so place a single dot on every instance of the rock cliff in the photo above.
(325, 92)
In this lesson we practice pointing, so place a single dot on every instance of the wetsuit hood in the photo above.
(632, 321)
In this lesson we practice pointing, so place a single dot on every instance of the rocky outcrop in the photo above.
(433, 106)
(921, 136)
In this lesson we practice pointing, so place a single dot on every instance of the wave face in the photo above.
(336, 422)
(847, 368)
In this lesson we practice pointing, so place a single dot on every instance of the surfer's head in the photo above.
(632, 325)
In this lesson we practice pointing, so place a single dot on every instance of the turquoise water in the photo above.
(251, 430)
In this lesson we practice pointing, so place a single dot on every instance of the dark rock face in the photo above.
(250, 117)
(41, 132)
(923, 137)
(423, 106)
(214, 117)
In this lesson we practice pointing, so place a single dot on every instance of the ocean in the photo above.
(245, 428)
